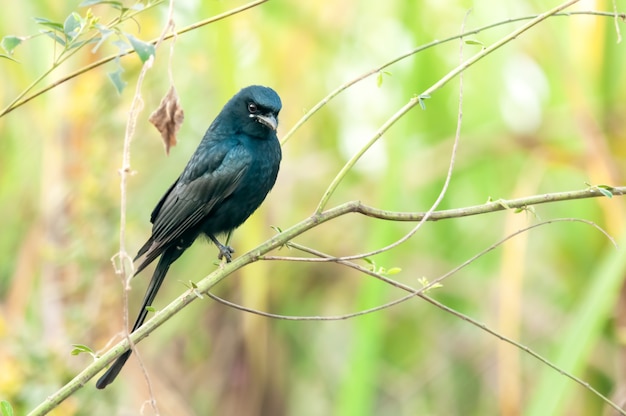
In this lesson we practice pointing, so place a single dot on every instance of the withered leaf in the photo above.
(168, 118)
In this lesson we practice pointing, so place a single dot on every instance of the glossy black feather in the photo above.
(224, 182)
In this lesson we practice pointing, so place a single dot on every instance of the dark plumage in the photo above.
(226, 179)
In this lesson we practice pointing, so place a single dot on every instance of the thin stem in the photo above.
(415, 51)
(64, 56)
(17, 103)
(422, 294)
(427, 93)
(205, 284)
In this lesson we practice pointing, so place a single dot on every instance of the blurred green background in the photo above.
(544, 114)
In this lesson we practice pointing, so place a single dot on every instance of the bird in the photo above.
(226, 179)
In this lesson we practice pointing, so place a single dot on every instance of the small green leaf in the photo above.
(6, 408)
(72, 26)
(276, 228)
(49, 24)
(80, 348)
(424, 282)
(474, 42)
(104, 35)
(144, 50)
(54, 36)
(421, 100)
(393, 270)
(9, 43)
(380, 76)
(116, 79)
(368, 260)
(150, 309)
(605, 192)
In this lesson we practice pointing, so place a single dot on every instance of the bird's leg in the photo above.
(225, 251)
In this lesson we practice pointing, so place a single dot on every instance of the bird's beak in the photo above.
(268, 120)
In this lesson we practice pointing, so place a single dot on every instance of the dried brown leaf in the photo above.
(168, 118)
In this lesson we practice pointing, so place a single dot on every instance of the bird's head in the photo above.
(255, 109)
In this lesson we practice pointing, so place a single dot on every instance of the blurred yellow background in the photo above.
(543, 114)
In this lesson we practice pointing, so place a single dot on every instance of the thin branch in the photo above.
(308, 318)
(124, 172)
(325, 259)
(415, 51)
(421, 293)
(205, 284)
(18, 103)
(517, 204)
(428, 92)
(65, 55)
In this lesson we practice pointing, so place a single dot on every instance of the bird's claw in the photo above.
(226, 252)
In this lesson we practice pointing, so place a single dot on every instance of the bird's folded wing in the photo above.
(192, 199)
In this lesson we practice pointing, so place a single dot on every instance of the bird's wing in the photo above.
(208, 179)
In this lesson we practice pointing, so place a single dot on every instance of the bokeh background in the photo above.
(543, 114)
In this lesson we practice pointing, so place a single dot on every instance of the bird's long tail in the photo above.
(167, 258)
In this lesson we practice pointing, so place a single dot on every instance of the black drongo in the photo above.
(226, 179)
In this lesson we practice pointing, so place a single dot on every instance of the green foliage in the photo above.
(144, 50)
(6, 408)
(9, 43)
(80, 349)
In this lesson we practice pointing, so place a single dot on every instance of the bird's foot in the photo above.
(225, 251)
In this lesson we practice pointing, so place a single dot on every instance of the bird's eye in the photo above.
(252, 108)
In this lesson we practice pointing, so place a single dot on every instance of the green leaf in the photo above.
(54, 36)
(9, 43)
(474, 42)
(104, 35)
(6, 408)
(144, 50)
(80, 348)
(72, 26)
(393, 270)
(421, 100)
(605, 192)
(424, 282)
(150, 309)
(116, 79)
(380, 76)
(49, 24)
